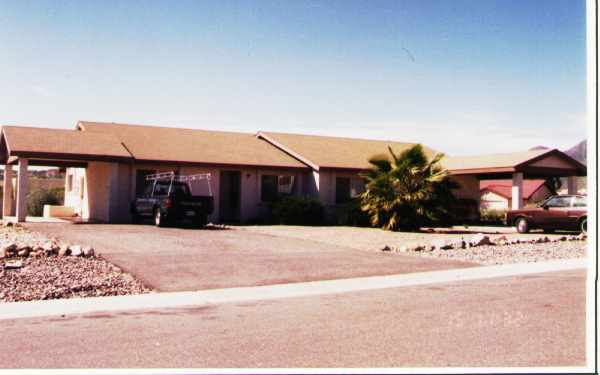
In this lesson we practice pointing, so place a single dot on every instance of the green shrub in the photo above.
(350, 214)
(38, 198)
(492, 216)
(293, 210)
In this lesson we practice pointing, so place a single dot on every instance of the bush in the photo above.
(294, 210)
(492, 216)
(351, 214)
(37, 199)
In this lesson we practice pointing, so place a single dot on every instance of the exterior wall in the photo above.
(109, 189)
(98, 192)
(327, 188)
(468, 191)
(552, 162)
(493, 201)
(469, 187)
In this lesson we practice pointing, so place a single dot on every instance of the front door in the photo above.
(230, 196)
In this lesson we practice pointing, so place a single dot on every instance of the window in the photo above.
(342, 190)
(273, 186)
(70, 182)
(579, 202)
(559, 202)
(285, 184)
(268, 189)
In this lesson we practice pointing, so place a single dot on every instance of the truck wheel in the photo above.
(159, 221)
(522, 225)
(583, 225)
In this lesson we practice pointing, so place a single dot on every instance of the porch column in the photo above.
(7, 198)
(571, 185)
(22, 180)
(517, 191)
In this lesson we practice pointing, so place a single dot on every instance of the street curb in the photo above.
(32, 309)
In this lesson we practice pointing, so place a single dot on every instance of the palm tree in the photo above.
(407, 191)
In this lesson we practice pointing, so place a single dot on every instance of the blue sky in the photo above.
(463, 77)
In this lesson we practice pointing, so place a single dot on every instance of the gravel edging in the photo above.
(47, 275)
(510, 254)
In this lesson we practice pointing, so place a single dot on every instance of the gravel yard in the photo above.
(519, 253)
(40, 276)
(373, 239)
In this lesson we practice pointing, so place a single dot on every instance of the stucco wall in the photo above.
(469, 187)
(493, 201)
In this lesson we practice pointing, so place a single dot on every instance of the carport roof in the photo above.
(545, 162)
(42, 143)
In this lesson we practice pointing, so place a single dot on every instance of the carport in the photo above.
(518, 166)
(24, 147)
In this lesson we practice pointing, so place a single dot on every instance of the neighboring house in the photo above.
(106, 165)
(497, 194)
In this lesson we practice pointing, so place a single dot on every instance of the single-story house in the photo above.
(497, 194)
(106, 165)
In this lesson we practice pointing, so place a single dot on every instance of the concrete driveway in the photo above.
(174, 259)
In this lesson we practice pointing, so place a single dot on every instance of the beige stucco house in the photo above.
(106, 164)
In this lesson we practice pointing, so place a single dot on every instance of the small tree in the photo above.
(407, 191)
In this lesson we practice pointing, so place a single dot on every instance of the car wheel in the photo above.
(583, 225)
(158, 218)
(522, 225)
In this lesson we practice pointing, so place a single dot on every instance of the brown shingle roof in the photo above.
(193, 146)
(335, 152)
(42, 142)
(491, 161)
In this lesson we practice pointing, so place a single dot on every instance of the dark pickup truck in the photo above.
(168, 200)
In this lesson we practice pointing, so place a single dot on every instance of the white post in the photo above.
(22, 180)
(7, 198)
(571, 185)
(517, 191)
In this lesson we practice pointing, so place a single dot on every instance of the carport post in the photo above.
(571, 185)
(517, 191)
(22, 190)
(7, 198)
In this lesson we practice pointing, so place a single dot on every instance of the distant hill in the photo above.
(538, 148)
(578, 152)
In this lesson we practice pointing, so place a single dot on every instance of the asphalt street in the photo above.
(528, 320)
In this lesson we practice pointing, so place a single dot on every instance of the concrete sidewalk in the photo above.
(220, 296)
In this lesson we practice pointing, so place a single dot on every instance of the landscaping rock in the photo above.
(479, 240)
(76, 250)
(24, 252)
(386, 248)
(88, 251)
(438, 245)
(64, 250)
